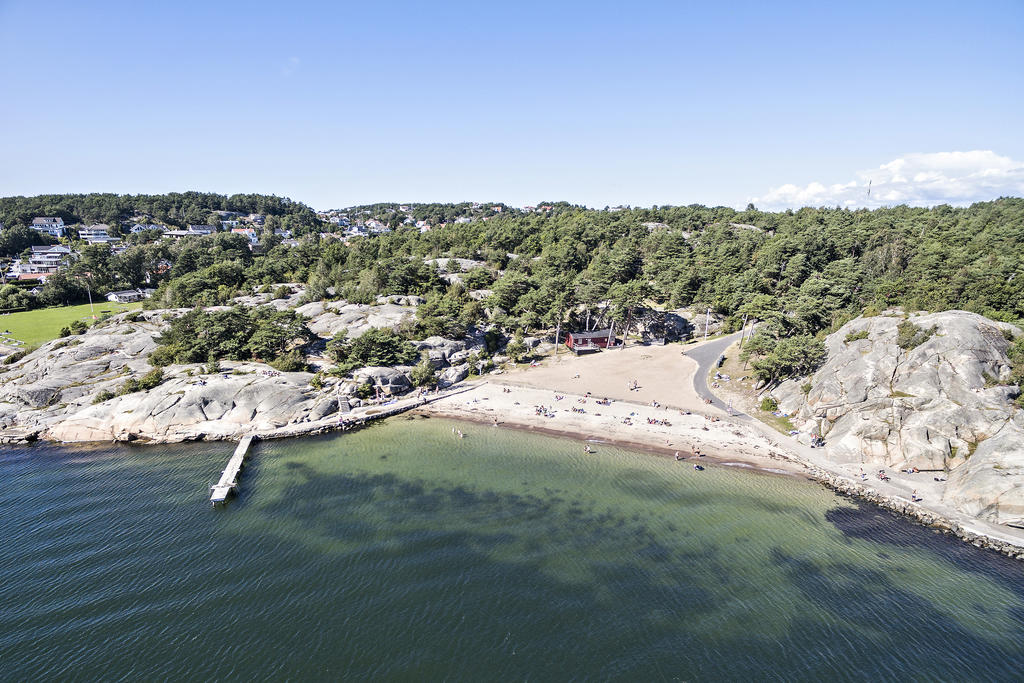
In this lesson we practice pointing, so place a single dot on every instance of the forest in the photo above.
(176, 208)
(801, 273)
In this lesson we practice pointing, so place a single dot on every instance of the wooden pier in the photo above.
(220, 491)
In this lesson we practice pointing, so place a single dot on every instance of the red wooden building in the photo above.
(590, 341)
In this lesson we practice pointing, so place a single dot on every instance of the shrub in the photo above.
(516, 348)
(317, 381)
(293, 361)
(769, 404)
(423, 374)
(78, 327)
(365, 390)
(16, 356)
(282, 292)
(910, 336)
(375, 347)
(151, 379)
(806, 388)
(162, 356)
(148, 381)
(102, 396)
(65, 331)
(856, 336)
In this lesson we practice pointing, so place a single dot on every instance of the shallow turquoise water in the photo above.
(402, 552)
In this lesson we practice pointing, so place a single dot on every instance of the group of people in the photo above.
(543, 411)
(660, 423)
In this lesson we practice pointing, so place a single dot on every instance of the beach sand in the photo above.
(622, 423)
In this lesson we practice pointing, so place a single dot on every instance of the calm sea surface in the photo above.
(402, 552)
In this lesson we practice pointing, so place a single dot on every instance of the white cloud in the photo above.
(957, 178)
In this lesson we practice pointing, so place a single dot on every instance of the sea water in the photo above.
(404, 552)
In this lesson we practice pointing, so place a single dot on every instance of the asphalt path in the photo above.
(707, 355)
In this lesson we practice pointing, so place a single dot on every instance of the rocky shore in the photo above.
(918, 513)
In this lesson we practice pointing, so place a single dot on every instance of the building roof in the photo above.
(593, 334)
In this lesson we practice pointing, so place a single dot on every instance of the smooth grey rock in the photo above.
(453, 375)
(392, 379)
(928, 407)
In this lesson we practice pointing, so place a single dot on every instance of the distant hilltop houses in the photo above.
(344, 224)
(40, 262)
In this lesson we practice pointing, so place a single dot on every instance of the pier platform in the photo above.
(220, 491)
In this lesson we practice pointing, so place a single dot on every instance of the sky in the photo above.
(782, 104)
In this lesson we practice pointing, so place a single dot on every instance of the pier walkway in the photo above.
(220, 491)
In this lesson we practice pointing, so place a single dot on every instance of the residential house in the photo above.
(257, 218)
(50, 225)
(357, 231)
(249, 233)
(139, 227)
(46, 260)
(127, 296)
(97, 234)
(178, 234)
(202, 229)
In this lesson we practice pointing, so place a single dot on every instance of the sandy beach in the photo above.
(662, 414)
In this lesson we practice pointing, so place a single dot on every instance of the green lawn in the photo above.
(42, 325)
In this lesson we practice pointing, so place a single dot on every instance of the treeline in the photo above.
(802, 273)
(175, 208)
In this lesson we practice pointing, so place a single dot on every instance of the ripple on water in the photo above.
(399, 551)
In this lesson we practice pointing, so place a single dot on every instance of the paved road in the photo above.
(707, 355)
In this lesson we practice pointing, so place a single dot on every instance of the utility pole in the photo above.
(707, 323)
(88, 289)
(743, 329)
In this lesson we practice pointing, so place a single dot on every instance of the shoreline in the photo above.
(752, 446)
(756, 453)
(786, 468)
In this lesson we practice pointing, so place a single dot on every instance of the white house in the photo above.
(249, 233)
(50, 225)
(127, 296)
(202, 229)
(46, 260)
(100, 231)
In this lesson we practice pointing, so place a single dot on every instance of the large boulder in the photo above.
(943, 404)
(392, 381)
(329, 318)
(440, 350)
(453, 375)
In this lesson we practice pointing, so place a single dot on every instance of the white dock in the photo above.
(220, 491)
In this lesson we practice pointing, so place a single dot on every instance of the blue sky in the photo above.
(600, 103)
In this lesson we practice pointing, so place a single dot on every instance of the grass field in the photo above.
(36, 327)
